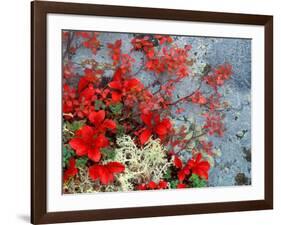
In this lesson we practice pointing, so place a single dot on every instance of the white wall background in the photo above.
(15, 110)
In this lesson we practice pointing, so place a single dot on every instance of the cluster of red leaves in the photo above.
(153, 186)
(172, 60)
(219, 76)
(90, 76)
(123, 61)
(92, 43)
(71, 171)
(89, 140)
(105, 173)
(115, 51)
(69, 99)
(214, 124)
(122, 87)
(198, 98)
(83, 34)
(193, 166)
(154, 125)
(163, 39)
(142, 43)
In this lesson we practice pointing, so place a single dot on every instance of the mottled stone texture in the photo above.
(234, 165)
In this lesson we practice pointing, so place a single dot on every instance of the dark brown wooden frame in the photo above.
(39, 11)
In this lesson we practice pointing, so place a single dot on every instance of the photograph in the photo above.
(144, 111)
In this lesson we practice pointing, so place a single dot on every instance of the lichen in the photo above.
(148, 163)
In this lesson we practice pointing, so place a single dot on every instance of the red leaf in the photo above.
(71, 171)
(117, 75)
(151, 185)
(109, 124)
(181, 186)
(115, 85)
(86, 133)
(97, 117)
(198, 167)
(167, 123)
(115, 167)
(80, 147)
(181, 175)
(105, 176)
(162, 184)
(131, 83)
(146, 118)
(94, 171)
(116, 97)
(94, 154)
(83, 83)
(87, 93)
(177, 162)
(161, 129)
(144, 136)
(105, 173)
(141, 187)
(100, 141)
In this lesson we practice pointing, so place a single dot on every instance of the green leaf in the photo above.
(99, 105)
(75, 125)
(116, 109)
(168, 174)
(108, 153)
(174, 184)
(82, 161)
(67, 154)
(196, 181)
(120, 130)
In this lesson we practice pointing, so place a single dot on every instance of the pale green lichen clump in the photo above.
(145, 164)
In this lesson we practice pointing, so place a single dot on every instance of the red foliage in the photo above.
(164, 39)
(214, 124)
(115, 51)
(180, 185)
(199, 167)
(93, 43)
(153, 186)
(89, 141)
(105, 173)
(90, 76)
(154, 125)
(198, 98)
(71, 171)
(219, 75)
(83, 34)
(193, 166)
(142, 43)
(183, 171)
(69, 96)
(126, 63)
(100, 123)
(122, 87)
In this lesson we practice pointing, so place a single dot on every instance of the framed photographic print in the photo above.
(143, 112)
